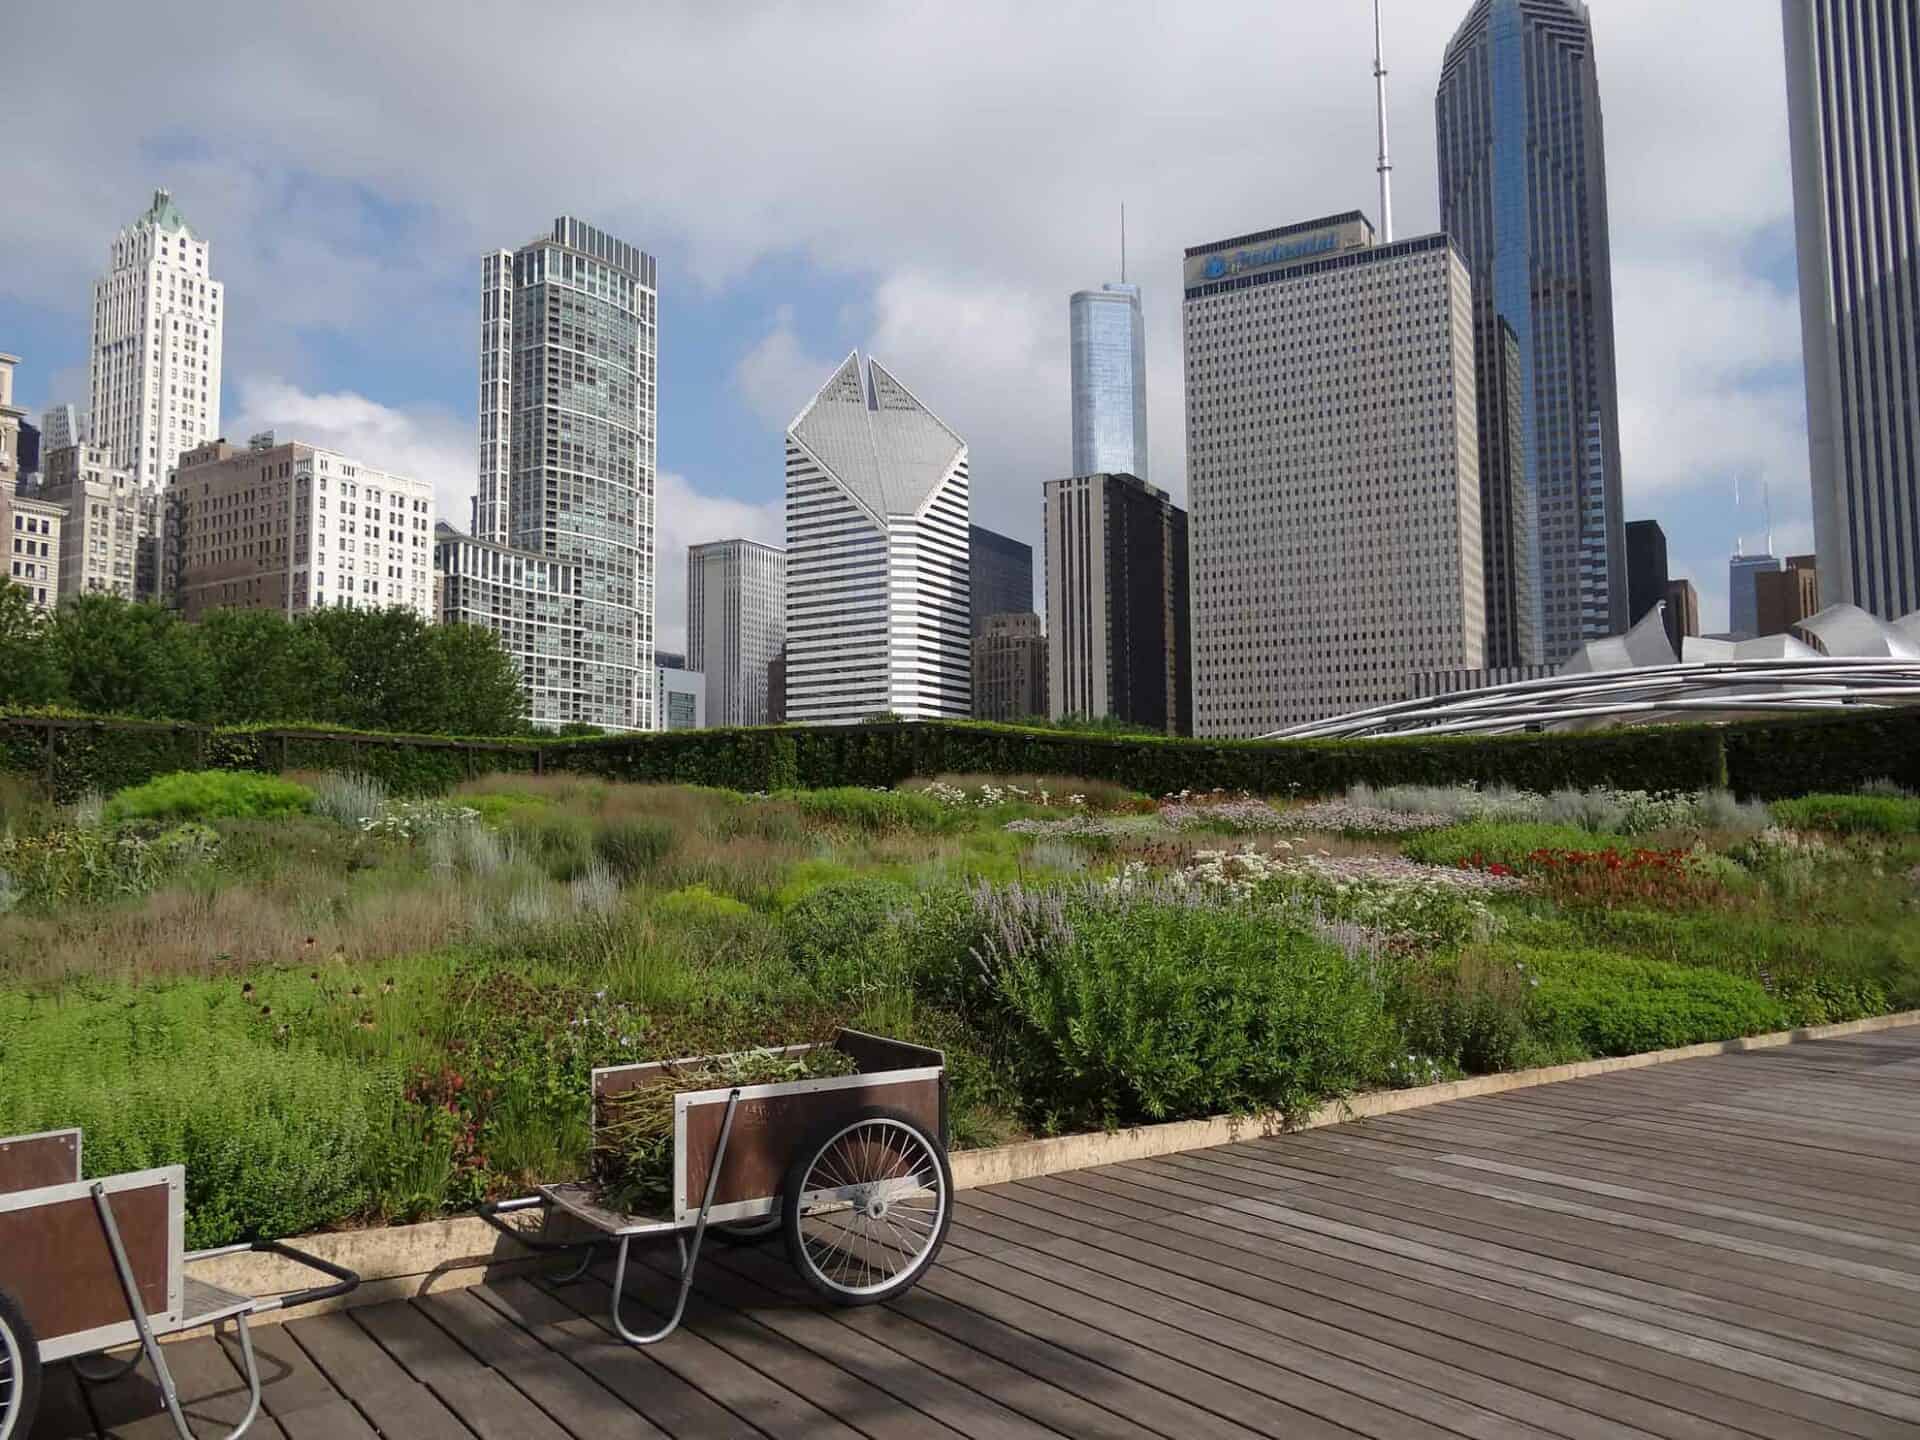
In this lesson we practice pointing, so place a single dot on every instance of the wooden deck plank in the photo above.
(212, 1393)
(392, 1400)
(1721, 1249)
(481, 1397)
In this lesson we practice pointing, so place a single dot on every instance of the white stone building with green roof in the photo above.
(155, 360)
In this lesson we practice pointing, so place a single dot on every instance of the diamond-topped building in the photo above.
(878, 584)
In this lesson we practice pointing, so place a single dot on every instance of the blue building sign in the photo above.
(1218, 267)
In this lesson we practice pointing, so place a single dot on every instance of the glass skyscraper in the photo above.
(568, 342)
(1853, 70)
(1109, 382)
(1523, 193)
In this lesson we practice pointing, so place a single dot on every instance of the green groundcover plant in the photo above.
(341, 1003)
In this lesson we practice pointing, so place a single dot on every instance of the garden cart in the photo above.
(88, 1266)
(851, 1167)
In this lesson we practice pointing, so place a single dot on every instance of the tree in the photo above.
(119, 658)
(480, 689)
(265, 668)
(389, 676)
(29, 674)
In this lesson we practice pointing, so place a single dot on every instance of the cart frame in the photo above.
(708, 1191)
(78, 1252)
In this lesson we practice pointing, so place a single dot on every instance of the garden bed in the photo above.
(340, 1008)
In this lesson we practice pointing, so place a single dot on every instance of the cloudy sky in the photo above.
(926, 180)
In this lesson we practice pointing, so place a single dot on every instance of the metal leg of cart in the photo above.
(151, 1347)
(494, 1209)
(689, 1257)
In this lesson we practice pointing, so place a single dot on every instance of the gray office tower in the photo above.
(1002, 575)
(1523, 194)
(1109, 381)
(736, 624)
(567, 411)
(1743, 591)
(1852, 67)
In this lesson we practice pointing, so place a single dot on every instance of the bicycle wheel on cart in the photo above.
(866, 1206)
(19, 1371)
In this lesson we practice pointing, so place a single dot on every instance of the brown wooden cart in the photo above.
(90, 1266)
(852, 1168)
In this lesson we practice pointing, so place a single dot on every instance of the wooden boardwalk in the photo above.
(1722, 1247)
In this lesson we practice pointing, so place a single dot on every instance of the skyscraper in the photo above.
(1333, 472)
(155, 363)
(1853, 73)
(61, 426)
(1743, 598)
(532, 603)
(568, 342)
(1523, 194)
(1109, 381)
(1009, 668)
(736, 624)
(1646, 567)
(1117, 603)
(1002, 575)
(877, 559)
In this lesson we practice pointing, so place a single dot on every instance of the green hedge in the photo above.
(1768, 759)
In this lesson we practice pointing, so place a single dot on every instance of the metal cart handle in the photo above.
(345, 1281)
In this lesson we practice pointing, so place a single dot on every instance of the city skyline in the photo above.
(339, 326)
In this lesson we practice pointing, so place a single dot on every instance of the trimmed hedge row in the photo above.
(1766, 759)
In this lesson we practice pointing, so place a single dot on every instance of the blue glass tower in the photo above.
(1109, 382)
(1523, 193)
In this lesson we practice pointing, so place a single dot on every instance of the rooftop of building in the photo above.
(163, 214)
(1305, 227)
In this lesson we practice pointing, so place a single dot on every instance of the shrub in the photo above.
(561, 844)
(78, 867)
(842, 938)
(1851, 814)
(695, 904)
(1612, 1004)
(877, 812)
(633, 845)
(1143, 1009)
(349, 798)
(207, 795)
(1486, 843)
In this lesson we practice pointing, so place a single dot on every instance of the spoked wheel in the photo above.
(866, 1206)
(19, 1371)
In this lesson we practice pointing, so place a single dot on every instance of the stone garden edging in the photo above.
(399, 1261)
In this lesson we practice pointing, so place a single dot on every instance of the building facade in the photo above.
(1743, 602)
(1852, 74)
(1523, 194)
(1683, 612)
(568, 425)
(1783, 598)
(531, 602)
(33, 528)
(1009, 668)
(878, 609)
(1646, 567)
(736, 624)
(1109, 338)
(1118, 621)
(1001, 575)
(1332, 471)
(294, 528)
(61, 426)
(106, 522)
(154, 368)
(683, 697)
(11, 416)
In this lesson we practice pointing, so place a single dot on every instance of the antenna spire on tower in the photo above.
(1386, 163)
(1123, 243)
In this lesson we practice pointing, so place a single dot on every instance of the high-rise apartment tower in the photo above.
(877, 560)
(736, 624)
(154, 369)
(1853, 82)
(1002, 575)
(1109, 336)
(568, 406)
(1332, 472)
(1523, 195)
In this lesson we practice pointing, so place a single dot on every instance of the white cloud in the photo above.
(961, 166)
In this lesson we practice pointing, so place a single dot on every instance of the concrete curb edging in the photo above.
(400, 1261)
